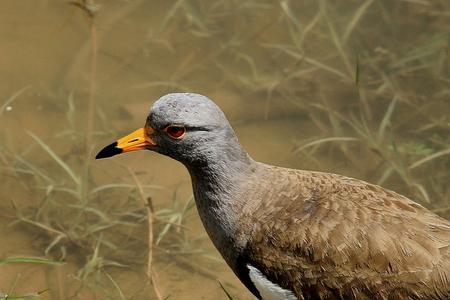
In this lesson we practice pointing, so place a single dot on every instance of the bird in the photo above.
(296, 234)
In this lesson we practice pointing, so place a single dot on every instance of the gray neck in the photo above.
(217, 179)
(216, 184)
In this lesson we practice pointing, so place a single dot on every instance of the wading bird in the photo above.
(294, 234)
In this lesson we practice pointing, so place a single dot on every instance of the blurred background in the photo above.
(360, 88)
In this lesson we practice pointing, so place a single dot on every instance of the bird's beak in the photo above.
(137, 140)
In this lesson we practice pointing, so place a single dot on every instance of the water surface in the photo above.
(360, 88)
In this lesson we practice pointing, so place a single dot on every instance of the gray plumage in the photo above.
(319, 235)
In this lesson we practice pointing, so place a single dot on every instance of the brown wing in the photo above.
(326, 236)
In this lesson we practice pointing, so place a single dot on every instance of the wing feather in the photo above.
(327, 236)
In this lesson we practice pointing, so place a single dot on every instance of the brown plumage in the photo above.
(326, 236)
(292, 234)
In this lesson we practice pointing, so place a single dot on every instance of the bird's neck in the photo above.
(216, 179)
(217, 183)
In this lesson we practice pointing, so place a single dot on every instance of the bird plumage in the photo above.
(326, 236)
(315, 235)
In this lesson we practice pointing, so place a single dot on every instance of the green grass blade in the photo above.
(116, 286)
(12, 98)
(33, 170)
(121, 185)
(29, 260)
(386, 119)
(324, 140)
(355, 19)
(340, 48)
(422, 191)
(56, 158)
(310, 61)
(357, 71)
(429, 158)
(289, 13)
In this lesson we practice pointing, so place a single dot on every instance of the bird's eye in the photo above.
(175, 131)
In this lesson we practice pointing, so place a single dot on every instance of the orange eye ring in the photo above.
(175, 131)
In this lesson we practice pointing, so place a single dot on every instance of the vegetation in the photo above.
(367, 82)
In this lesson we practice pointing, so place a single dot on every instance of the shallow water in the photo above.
(360, 88)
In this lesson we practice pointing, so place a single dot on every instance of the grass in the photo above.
(31, 296)
(369, 79)
(25, 260)
(32, 260)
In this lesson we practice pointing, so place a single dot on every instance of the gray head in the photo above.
(187, 127)
(191, 110)
(207, 130)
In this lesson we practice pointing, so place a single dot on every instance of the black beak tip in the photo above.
(109, 151)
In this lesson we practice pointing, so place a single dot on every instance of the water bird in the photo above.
(295, 234)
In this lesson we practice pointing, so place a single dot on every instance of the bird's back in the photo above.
(326, 236)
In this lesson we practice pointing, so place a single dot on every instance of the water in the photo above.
(357, 88)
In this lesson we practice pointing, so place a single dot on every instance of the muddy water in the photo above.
(45, 48)
(55, 61)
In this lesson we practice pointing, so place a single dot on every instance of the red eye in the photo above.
(175, 131)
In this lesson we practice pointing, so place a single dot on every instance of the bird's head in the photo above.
(187, 127)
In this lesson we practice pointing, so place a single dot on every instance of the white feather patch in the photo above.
(267, 289)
